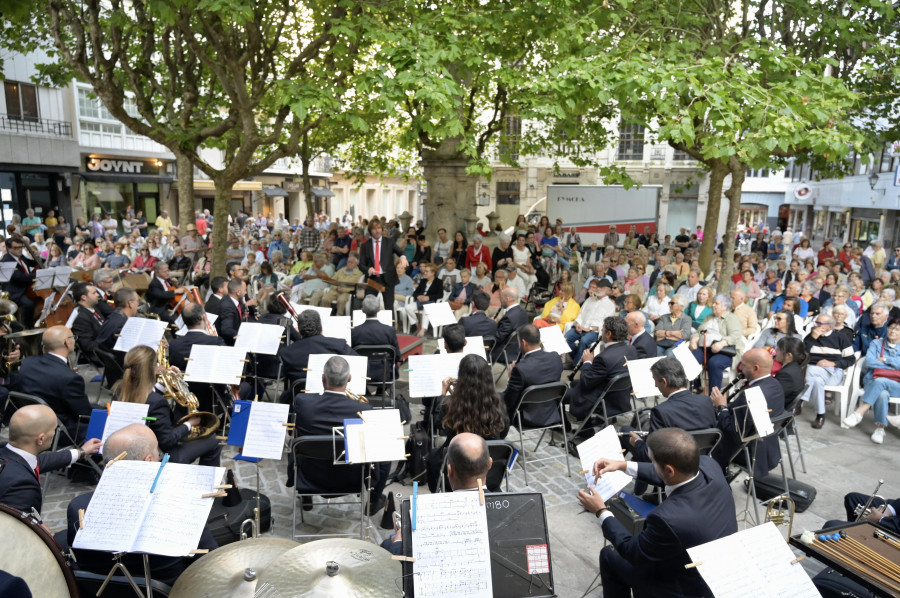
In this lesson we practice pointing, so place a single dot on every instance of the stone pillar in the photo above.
(451, 197)
(405, 219)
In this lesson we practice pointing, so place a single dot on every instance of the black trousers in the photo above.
(616, 574)
(206, 449)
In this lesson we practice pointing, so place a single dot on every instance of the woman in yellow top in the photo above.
(560, 310)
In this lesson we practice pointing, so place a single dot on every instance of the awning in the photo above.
(274, 191)
(204, 185)
(322, 192)
(98, 177)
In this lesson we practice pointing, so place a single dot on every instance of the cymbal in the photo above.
(223, 572)
(344, 567)
(7, 307)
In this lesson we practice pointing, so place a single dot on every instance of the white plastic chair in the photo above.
(842, 393)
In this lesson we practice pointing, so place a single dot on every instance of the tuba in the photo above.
(177, 389)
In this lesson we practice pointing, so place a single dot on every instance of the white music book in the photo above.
(604, 443)
(759, 411)
(474, 346)
(379, 438)
(553, 340)
(6, 270)
(358, 371)
(140, 331)
(439, 314)
(642, 384)
(451, 532)
(264, 438)
(324, 312)
(264, 339)
(182, 329)
(337, 327)
(124, 516)
(215, 364)
(123, 414)
(692, 368)
(753, 563)
(427, 372)
(385, 316)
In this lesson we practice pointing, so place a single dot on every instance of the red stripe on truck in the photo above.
(622, 229)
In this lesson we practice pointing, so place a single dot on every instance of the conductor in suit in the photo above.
(698, 508)
(140, 444)
(535, 366)
(22, 460)
(376, 259)
(161, 293)
(373, 332)
(477, 323)
(295, 357)
(318, 414)
(514, 318)
(640, 339)
(21, 279)
(598, 371)
(87, 322)
(232, 311)
(49, 377)
(180, 350)
(732, 419)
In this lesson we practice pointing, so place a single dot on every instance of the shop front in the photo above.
(865, 226)
(34, 187)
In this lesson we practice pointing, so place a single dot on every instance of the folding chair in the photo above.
(512, 340)
(534, 395)
(327, 449)
(112, 370)
(385, 356)
(706, 439)
(617, 384)
(793, 429)
(489, 343)
(501, 452)
(841, 393)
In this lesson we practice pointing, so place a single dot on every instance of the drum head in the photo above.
(31, 553)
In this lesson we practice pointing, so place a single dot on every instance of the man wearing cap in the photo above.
(586, 329)
(190, 243)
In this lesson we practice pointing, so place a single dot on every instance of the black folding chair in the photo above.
(792, 430)
(535, 395)
(386, 357)
(617, 384)
(112, 370)
(489, 343)
(513, 339)
(706, 439)
(501, 452)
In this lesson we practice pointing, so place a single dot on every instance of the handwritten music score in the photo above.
(605, 443)
(264, 339)
(265, 430)
(427, 372)
(474, 346)
(123, 414)
(140, 331)
(215, 364)
(642, 384)
(358, 371)
(753, 563)
(123, 516)
(450, 545)
(385, 316)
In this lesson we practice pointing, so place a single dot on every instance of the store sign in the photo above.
(803, 193)
(566, 175)
(121, 166)
(293, 186)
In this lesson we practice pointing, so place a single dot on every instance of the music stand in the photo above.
(748, 433)
(120, 566)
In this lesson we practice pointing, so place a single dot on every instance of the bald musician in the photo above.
(140, 444)
(22, 460)
(50, 377)
(698, 508)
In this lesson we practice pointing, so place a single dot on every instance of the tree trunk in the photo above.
(220, 229)
(738, 173)
(452, 193)
(307, 189)
(718, 172)
(185, 186)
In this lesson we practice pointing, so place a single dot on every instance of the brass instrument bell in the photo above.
(177, 389)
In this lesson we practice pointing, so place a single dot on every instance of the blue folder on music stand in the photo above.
(240, 418)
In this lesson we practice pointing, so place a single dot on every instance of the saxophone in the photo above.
(177, 389)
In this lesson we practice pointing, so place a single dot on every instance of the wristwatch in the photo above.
(598, 513)
(81, 453)
(721, 408)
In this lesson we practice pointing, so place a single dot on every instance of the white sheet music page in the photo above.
(642, 384)
(266, 430)
(43, 279)
(692, 367)
(337, 327)
(605, 443)
(215, 364)
(140, 331)
(324, 312)
(182, 329)
(753, 563)
(382, 435)
(759, 411)
(450, 545)
(6, 270)
(439, 314)
(553, 340)
(427, 372)
(385, 316)
(259, 338)
(123, 414)
(474, 346)
(178, 513)
(358, 370)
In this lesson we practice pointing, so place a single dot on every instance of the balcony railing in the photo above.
(45, 126)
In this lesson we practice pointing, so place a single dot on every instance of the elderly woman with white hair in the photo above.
(478, 253)
(718, 340)
(502, 255)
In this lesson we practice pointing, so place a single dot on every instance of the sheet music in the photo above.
(6, 270)
(337, 327)
(324, 312)
(215, 364)
(182, 329)
(450, 545)
(753, 563)
(123, 414)
(642, 384)
(72, 316)
(359, 366)
(266, 430)
(43, 279)
(692, 367)
(553, 340)
(385, 316)
(264, 339)
(378, 439)
(605, 443)
(177, 514)
(759, 411)
(439, 314)
(427, 372)
(140, 331)
(474, 346)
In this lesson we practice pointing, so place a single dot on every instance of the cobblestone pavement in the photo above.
(837, 461)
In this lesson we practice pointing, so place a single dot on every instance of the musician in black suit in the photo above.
(380, 267)
(161, 293)
(21, 280)
(733, 418)
(791, 353)
(219, 287)
(233, 311)
(534, 366)
(23, 459)
(49, 377)
(373, 332)
(477, 323)
(140, 445)
(640, 339)
(295, 357)
(598, 371)
(139, 385)
(698, 509)
(514, 318)
(180, 350)
(103, 282)
(127, 304)
(87, 322)
(318, 414)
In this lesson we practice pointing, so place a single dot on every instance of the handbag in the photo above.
(886, 373)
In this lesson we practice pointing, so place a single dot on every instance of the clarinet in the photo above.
(581, 363)
(740, 379)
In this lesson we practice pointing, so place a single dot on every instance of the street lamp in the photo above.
(873, 180)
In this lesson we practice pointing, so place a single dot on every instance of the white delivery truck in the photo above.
(591, 209)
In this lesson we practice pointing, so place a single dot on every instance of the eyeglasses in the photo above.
(818, 323)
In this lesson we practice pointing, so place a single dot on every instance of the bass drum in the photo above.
(30, 552)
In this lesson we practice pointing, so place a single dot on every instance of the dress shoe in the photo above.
(819, 421)
(799, 408)
(306, 501)
(730, 474)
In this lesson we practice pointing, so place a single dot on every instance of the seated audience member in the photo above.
(295, 357)
(340, 294)
(461, 296)
(783, 327)
(701, 307)
(698, 508)
(718, 340)
(560, 310)
(658, 301)
(373, 332)
(477, 323)
(315, 287)
(883, 354)
(746, 315)
(830, 355)
(790, 352)
(672, 328)
(870, 326)
(792, 290)
(639, 338)
(430, 289)
(534, 366)
(513, 319)
(23, 458)
(596, 308)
